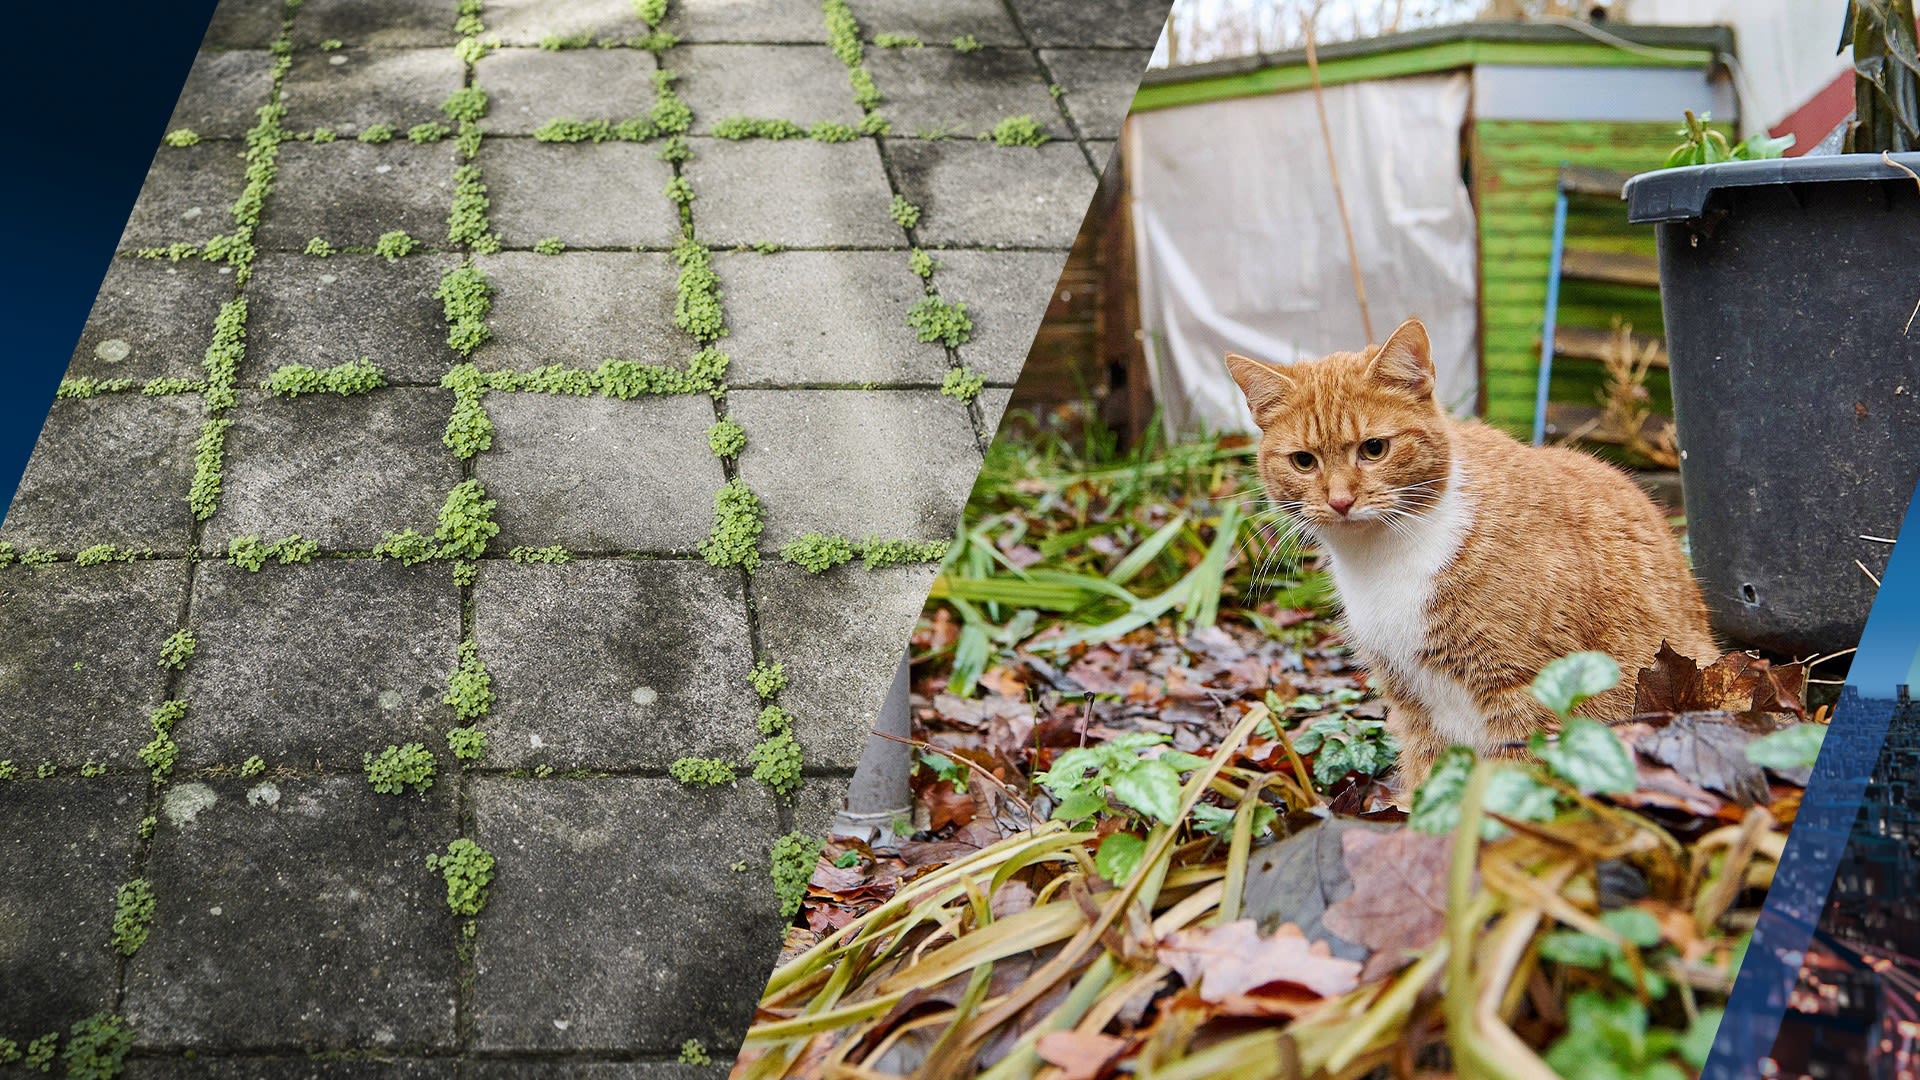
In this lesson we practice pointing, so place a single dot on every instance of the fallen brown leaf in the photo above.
(1232, 960)
(1399, 898)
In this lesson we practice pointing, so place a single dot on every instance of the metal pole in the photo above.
(879, 793)
(1550, 327)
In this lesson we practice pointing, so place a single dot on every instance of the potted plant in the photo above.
(1789, 287)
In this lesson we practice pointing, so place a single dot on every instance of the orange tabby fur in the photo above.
(1465, 561)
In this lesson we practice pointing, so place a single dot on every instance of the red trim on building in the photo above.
(1822, 113)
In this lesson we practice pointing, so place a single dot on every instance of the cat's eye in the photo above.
(1302, 460)
(1373, 449)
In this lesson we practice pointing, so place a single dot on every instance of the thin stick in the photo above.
(1333, 170)
(1882, 539)
(976, 769)
(1869, 573)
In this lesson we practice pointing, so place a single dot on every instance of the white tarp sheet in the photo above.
(1239, 240)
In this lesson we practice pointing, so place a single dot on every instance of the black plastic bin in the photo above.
(1787, 287)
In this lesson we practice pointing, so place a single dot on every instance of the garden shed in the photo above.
(1452, 145)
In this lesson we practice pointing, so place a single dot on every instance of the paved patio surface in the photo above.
(470, 393)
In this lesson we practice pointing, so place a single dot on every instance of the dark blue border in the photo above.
(89, 90)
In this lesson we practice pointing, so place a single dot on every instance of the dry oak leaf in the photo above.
(1081, 1055)
(1399, 899)
(1233, 960)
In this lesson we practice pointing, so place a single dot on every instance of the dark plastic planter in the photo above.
(1787, 287)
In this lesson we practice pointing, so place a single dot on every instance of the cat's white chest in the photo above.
(1385, 580)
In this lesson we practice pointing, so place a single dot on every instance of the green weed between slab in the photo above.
(466, 296)
(922, 264)
(467, 743)
(777, 759)
(466, 524)
(321, 135)
(467, 105)
(469, 428)
(221, 364)
(549, 245)
(250, 553)
(1017, 131)
(8, 770)
(817, 553)
(178, 649)
(737, 522)
(552, 555)
(697, 307)
(84, 386)
(468, 870)
(470, 687)
(358, 377)
(181, 137)
(963, 382)
(430, 132)
(101, 554)
(96, 1049)
(133, 909)
(934, 319)
(400, 767)
(253, 766)
(904, 214)
(376, 133)
(669, 116)
(767, 678)
(319, 248)
(967, 43)
(898, 41)
(703, 772)
(693, 1052)
(162, 752)
(726, 438)
(793, 857)
(467, 224)
(395, 245)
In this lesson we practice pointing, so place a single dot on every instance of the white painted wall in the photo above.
(1785, 47)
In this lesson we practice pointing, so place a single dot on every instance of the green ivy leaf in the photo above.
(1796, 747)
(1118, 855)
(1151, 788)
(1436, 803)
(1589, 756)
(1570, 680)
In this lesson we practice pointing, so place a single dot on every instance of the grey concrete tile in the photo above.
(589, 195)
(840, 635)
(747, 20)
(846, 324)
(580, 308)
(975, 194)
(615, 664)
(188, 195)
(815, 805)
(937, 24)
(889, 463)
(352, 88)
(1006, 293)
(597, 474)
(802, 83)
(1090, 23)
(72, 839)
(526, 22)
(244, 24)
(528, 87)
(349, 193)
(323, 312)
(151, 318)
(80, 663)
(317, 665)
(296, 912)
(1099, 85)
(946, 93)
(993, 407)
(385, 23)
(112, 469)
(341, 471)
(608, 917)
(798, 193)
(222, 92)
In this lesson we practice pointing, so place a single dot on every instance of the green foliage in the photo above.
(737, 521)
(96, 1047)
(703, 772)
(767, 678)
(322, 135)
(774, 720)
(1567, 682)
(831, 131)
(471, 49)
(209, 454)
(469, 428)
(469, 687)
(1512, 791)
(164, 387)
(557, 42)
(467, 223)
(1702, 145)
(250, 553)
(178, 649)
(669, 115)
(904, 214)
(99, 554)
(749, 127)
(40, 1053)
(651, 12)
(936, 320)
(466, 296)
(132, 916)
(1886, 84)
(793, 858)
(85, 386)
(568, 130)
(376, 133)
(1589, 756)
(37, 557)
(1579, 949)
(897, 41)
(1085, 781)
(399, 767)
(8, 770)
(963, 383)
(697, 307)
(655, 41)
(467, 743)
(466, 522)
(679, 191)
(777, 763)
(468, 140)
(874, 124)
(92, 769)
(332, 44)
(676, 150)
(817, 552)
(468, 869)
(1609, 1038)
(181, 137)
(865, 93)
(921, 264)
(967, 43)
(843, 32)
(408, 546)
(1795, 747)
(162, 752)
(395, 245)
(726, 438)
(318, 246)
(292, 380)
(554, 554)
(465, 572)
(429, 132)
(1342, 744)
(549, 245)
(692, 1052)
(253, 766)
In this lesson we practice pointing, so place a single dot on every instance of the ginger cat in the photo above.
(1464, 561)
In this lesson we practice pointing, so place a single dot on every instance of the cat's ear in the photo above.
(1405, 360)
(1265, 386)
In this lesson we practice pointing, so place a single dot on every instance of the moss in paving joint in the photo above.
(319, 248)
(400, 767)
(470, 687)
(680, 193)
(793, 858)
(466, 521)
(358, 377)
(651, 12)
(101, 554)
(703, 772)
(904, 214)
(693, 1052)
(737, 522)
(181, 137)
(669, 115)
(376, 133)
(697, 307)
(132, 916)
(553, 555)
(898, 41)
(178, 649)
(934, 319)
(767, 678)
(468, 869)
(467, 224)
(466, 296)
(568, 130)
(37, 557)
(963, 383)
(777, 762)
(967, 43)
(557, 42)
(472, 49)
(467, 743)
(1017, 131)
(726, 438)
(676, 150)
(549, 245)
(250, 553)
(429, 132)
(145, 829)
(166, 387)
(817, 553)
(774, 720)
(468, 21)
(45, 770)
(332, 45)
(40, 1052)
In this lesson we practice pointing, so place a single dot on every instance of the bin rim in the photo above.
(1681, 194)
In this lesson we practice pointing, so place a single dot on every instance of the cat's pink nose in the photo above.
(1340, 504)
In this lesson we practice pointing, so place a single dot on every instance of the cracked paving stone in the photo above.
(296, 912)
(587, 194)
(528, 87)
(595, 474)
(798, 193)
(937, 24)
(349, 193)
(526, 22)
(617, 304)
(342, 471)
(79, 660)
(1123, 24)
(615, 664)
(349, 89)
(1001, 290)
(281, 1068)
(889, 463)
(849, 325)
(747, 20)
(944, 92)
(151, 319)
(112, 469)
(1037, 195)
(337, 310)
(318, 664)
(608, 891)
(68, 838)
(840, 635)
(188, 195)
(1099, 85)
(383, 23)
(245, 24)
(223, 92)
(802, 83)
